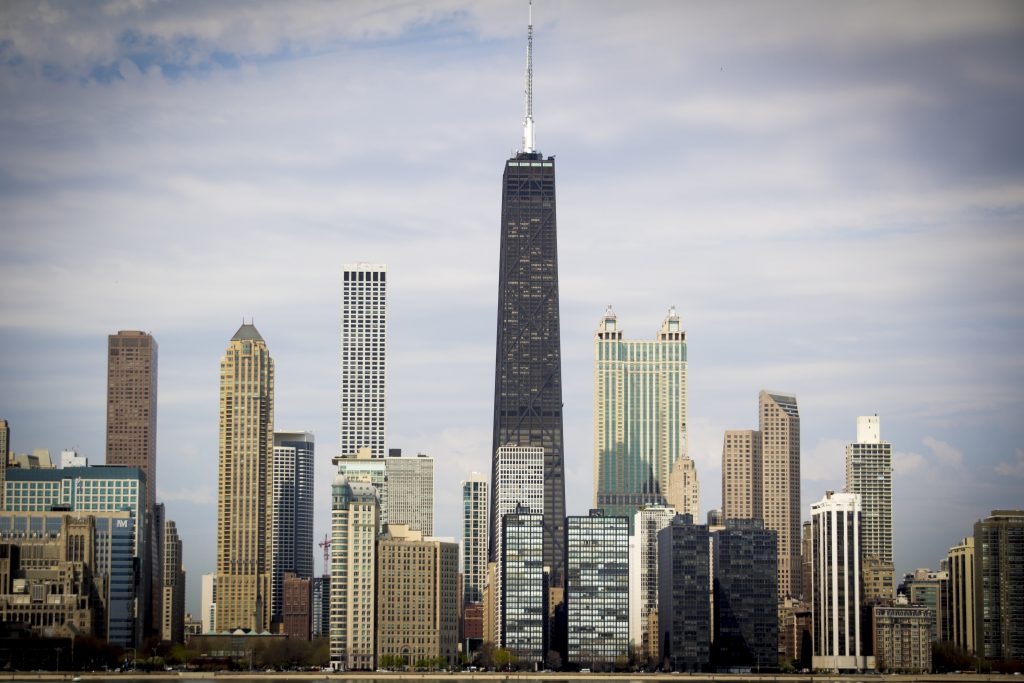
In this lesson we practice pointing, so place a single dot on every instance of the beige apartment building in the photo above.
(417, 596)
(245, 483)
(741, 474)
(960, 565)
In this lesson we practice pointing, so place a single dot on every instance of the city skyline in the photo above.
(832, 204)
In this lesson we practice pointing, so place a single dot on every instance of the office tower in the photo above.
(208, 601)
(293, 511)
(155, 570)
(761, 480)
(363, 359)
(902, 637)
(643, 579)
(741, 474)
(118, 494)
(640, 447)
(474, 538)
(355, 521)
(245, 484)
(417, 597)
(320, 619)
(684, 601)
(999, 585)
(365, 468)
(746, 628)
(597, 589)
(929, 588)
(173, 612)
(523, 591)
(131, 403)
(5, 445)
(410, 485)
(296, 610)
(869, 473)
(528, 364)
(960, 565)
(780, 483)
(835, 529)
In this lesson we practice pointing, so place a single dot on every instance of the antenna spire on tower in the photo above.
(528, 140)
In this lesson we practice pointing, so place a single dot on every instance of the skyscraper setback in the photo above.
(528, 366)
(363, 363)
(244, 495)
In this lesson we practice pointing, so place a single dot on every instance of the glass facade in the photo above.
(684, 594)
(522, 587)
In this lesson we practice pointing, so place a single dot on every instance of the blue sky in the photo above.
(832, 195)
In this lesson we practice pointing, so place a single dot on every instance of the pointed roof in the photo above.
(247, 332)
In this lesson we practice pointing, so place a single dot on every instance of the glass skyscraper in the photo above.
(528, 364)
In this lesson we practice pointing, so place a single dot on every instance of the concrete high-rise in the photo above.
(836, 600)
(208, 602)
(293, 511)
(410, 492)
(363, 358)
(245, 484)
(960, 565)
(869, 473)
(131, 404)
(474, 538)
(643, 578)
(355, 523)
(597, 589)
(528, 362)
(417, 596)
(366, 468)
(999, 585)
(173, 612)
(761, 480)
(640, 428)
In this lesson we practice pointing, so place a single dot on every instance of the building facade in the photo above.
(355, 523)
(245, 484)
(684, 595)
(320, 611)
(960, 565)
(365, 468)
(741, 474)
(528, 354)
(410, 485)
(836, 599)
(640, 435)
(173, 613)
(999, 585)
(780, 483)
(363, 357)
(293, 511)
(523, 604)
(746, 628)
(902, 638)
(869, 473)
(597, 589)
(417, 597)
(643, 579)
(930, 588)
(208, 602)
(296, 611)
(474, 538)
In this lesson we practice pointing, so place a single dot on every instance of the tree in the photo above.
(502, 658)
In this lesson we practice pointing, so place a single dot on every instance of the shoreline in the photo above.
(511, 676)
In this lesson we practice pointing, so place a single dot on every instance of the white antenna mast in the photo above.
(528, 140)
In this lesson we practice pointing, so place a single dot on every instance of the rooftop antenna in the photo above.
(528, 140)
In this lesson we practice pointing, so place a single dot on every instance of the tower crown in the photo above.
(529, 145)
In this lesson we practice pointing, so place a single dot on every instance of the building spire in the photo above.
(528, 140)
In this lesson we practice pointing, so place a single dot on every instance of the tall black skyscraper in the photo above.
(528, 359)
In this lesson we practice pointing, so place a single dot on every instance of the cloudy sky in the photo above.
(832, 194)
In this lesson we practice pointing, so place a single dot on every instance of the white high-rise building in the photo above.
(410, 487)
(209, 602)
(836, 584)
(869, 473)
(474, 537)
(363, 361)
(355, 523)
(643, 578)
(520, 474)
(293, 510)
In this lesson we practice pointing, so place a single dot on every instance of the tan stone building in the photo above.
(417, 596)
(960, 565)
(741, 474)
(903, 638)
(355, 523)
(245, 484)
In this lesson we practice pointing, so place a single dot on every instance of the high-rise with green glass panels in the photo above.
(640, 455)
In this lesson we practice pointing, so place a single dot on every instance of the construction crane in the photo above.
(326, 545)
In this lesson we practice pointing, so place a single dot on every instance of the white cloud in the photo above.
(1013, 469)
(907, 462)
(943, 451)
